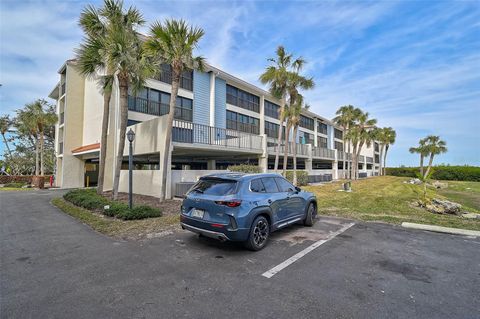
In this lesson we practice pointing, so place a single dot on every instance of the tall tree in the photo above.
(359, 135)
(295, 112)
(388, 138)
(288, 115)
(98, 26)
(276, 76)
(5, 124)
(422, 150)
(345, 119)
(434, 146)
(173, 43)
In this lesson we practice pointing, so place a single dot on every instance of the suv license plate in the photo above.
(198, 213)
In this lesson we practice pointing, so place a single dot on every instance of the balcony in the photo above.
(347, 157)
(242, 127)
(138, 104)
(302, 149)
(369, 160)
(323, 153)
(193, 133)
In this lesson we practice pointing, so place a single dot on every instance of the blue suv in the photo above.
(245, 207)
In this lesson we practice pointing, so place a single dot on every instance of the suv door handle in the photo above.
(269, 201)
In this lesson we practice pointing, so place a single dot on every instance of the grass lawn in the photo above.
(388, 199)
(14, 189)
(130, 229)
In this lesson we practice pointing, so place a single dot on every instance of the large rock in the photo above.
(439, 185)
(440, 206)
(414, 181)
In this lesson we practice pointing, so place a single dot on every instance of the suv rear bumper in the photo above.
(206, 229)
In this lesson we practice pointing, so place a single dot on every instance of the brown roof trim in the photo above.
(86, 148)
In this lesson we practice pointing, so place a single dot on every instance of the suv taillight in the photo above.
(230, 203)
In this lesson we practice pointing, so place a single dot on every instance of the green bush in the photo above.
(14, 185)
(245, 168)
(449, 173)
(302, 177)
(89, 199)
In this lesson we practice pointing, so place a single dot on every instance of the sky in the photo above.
(413, 65)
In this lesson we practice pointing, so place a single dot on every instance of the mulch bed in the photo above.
(168, 207)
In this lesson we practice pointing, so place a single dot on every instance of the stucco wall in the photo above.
(93, 112)
(146, 182)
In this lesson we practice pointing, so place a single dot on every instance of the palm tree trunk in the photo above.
(349, 172)
(381, 155)
(168, 133)
(429, 166)
(357, 156)
(103, 141)
(37, 170)
(421, 164)
(385, 160)
(344, 157)
(285, 155)
(294, 180)
(280, 133)
(123, 87)
(42, 141)
(6, 145)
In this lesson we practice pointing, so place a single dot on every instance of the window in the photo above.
(322, 128)
(214, 186)
(257, 186)
(322, 141)
(242, 99)
(338, 134)
(186, 79)
(307, 138)
(377, 158)
(272, 109)
(270, 185)
(339, 146)
(307, 122)
(154, 102)
(283, 185)
(376, 147)
(243, 123)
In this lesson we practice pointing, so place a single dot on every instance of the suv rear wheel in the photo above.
(259, 233)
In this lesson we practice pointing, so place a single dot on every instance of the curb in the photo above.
(439, 229)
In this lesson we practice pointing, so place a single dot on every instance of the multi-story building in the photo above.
(220, 120)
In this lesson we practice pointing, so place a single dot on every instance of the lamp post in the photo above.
(130, 138)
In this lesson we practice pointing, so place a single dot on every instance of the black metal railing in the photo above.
(61, 118)
(193, 133)
(323, 152)
(138, 104)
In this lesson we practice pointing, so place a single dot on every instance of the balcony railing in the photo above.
(138, 104)
(193, 133)
(61, 118)
(347, 157)
(369, 160)
(302, 149)
(323, 152)
(243, 127)
(361, 159)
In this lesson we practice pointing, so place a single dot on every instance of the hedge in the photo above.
(14, 185)
(5, 179)
(89, 199)
(302, 177)
(245, 168)
(448, 173)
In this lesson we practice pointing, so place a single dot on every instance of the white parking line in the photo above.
(294, 258)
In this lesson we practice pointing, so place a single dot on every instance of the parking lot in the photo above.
(55, 267)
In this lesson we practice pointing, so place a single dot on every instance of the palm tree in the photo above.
(360, 134)
(296, 111)
(288, 116)
(345, 118)
(388, 138)
(119, 53)
(92, 57)
(422, 150)
(5, 124)
(276, 75)
(173, 42)
(26, 125)
(434, 146)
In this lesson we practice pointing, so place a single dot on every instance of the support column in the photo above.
(211, 164)
(263, 159)
(308, 161)
(335, 166)
(315, 129)
(212, 99)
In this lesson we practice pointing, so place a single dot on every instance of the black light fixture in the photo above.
(130, 138)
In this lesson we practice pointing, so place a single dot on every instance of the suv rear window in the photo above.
(214, 186)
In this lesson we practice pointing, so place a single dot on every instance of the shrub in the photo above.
(15, 185)
(451, 173)
(302, 177)
(86, 198)
(139, 212)
(244, 168)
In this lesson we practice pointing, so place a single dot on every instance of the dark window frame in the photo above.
(243, 99)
